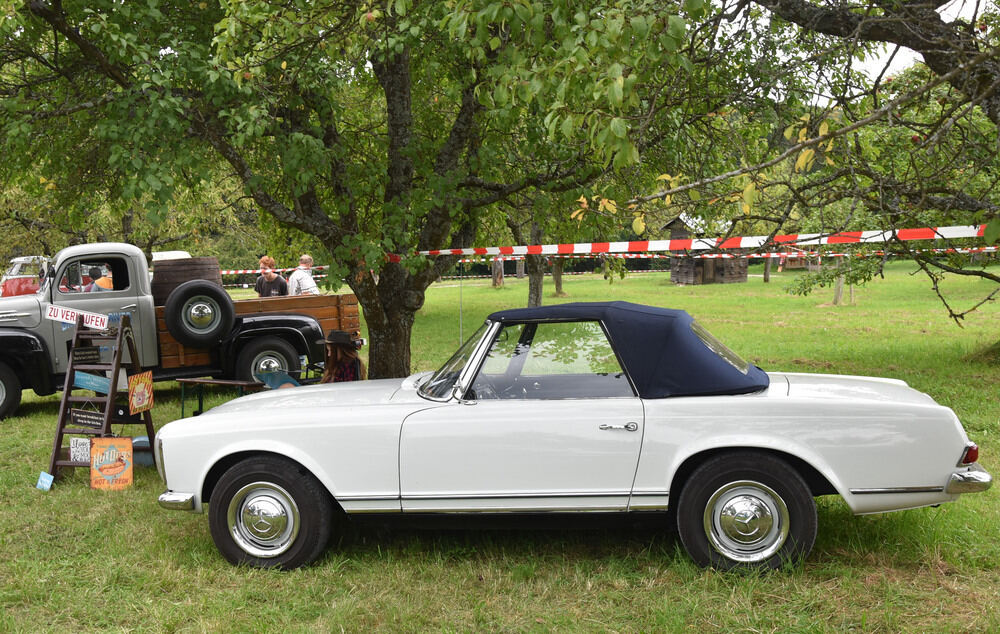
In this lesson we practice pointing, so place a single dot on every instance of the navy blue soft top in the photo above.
(659, 350)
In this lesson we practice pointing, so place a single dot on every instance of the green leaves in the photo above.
(992, 233)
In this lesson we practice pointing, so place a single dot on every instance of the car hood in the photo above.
(843, 387)
(20, 311)
(327, 395)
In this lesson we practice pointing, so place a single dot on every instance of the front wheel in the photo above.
(269, 512)
(10, 391)
(746, 510)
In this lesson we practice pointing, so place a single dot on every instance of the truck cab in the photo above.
(125, 290)
(199, 331)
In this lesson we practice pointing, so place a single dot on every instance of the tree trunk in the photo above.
(497, 271)
(389, 346)
(520, 269)
(838, 287)
(536, 276)
(767, 270)
(557, 269)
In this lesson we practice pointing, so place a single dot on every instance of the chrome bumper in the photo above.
(177, 501)
(970, 479)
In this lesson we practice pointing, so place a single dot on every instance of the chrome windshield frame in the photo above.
(468, 371)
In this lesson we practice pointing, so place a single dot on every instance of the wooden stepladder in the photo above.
(101, 411)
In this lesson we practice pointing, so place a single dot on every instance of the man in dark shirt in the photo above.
(270, 284)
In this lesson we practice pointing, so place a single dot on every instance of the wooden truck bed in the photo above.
(334, 312)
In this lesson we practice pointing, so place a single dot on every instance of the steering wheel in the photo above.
(484, 389)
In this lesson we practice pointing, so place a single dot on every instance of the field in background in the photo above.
(76, 559)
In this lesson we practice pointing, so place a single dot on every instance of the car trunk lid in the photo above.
(841, 387)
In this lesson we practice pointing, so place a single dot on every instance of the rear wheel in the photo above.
(265, 355)
(269, 512)
(746, 510)
(10, 391)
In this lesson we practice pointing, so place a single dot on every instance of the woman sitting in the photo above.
(342, 360)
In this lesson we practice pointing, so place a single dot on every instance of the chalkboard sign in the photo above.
(87, 418)
(87, 354)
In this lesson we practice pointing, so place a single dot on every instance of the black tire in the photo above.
(10, 391)
(746, 510)
(269, 512)
(199, 313)
(266, 354)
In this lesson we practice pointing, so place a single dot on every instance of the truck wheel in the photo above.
(746, 510)
(269, 512)
(267, 354)
(199, 313)
(10, 391)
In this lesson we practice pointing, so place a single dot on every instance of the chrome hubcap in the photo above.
(746, 521)
(199, 312)
(263, 519)
(267, 362)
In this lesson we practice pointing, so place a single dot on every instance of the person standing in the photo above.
(270, 284)
(301, 282)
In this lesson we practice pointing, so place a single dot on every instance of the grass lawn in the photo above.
(76, 559)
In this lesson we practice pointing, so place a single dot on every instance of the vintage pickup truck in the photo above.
(198, 331)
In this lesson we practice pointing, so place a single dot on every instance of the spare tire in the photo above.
(199, 313)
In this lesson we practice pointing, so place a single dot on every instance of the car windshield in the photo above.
(442, 382)
(720, 348)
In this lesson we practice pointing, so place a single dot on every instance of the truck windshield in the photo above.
(441, 383)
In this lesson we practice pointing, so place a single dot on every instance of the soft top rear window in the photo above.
(719, 348)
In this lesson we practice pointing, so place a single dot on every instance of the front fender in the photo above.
(220, 459)
(26, 353)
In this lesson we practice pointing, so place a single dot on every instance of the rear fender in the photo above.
(301, 331)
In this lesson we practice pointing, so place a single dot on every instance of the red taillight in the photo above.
(971, 454)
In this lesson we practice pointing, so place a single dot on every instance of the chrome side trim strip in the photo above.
(366, 498)
(890, 490)
(541, 509)
(517, 496)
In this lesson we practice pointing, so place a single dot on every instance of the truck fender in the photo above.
(26, 353)
(301, 331)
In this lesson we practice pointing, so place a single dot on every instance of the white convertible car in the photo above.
(576, 408)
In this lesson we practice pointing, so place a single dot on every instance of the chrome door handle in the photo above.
(129, 307)
(626, 427)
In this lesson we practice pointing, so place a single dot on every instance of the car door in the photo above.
(549, 423)
(73, 287)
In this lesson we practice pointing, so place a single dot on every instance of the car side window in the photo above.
(558, 360)
(94, 276)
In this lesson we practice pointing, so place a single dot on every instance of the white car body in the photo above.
(379, 447)
(383, 447)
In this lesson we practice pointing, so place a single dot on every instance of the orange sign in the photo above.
(140, 392)
(110, 463)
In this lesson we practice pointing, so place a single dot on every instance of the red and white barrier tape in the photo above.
(244, 271)
(746, 242)
(799, 253)
(945, 232)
